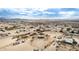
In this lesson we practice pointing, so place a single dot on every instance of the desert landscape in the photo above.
(36, 35)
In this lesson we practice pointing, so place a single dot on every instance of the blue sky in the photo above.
(50, 13)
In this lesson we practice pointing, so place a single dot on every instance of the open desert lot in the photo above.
(39, 35)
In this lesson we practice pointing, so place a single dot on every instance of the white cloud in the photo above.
(21, 11)
(31, 11)
(43, 13)
(67, 13)
(40, 9)
(18, 9)
(46, 12)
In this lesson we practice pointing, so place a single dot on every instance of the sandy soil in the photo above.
(39, 36)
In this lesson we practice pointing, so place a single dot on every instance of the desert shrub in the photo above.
(72, 31)
(41, 37)
(2, 30)
(61, 30)
(35, 49)
(10, 28)
(77, 32)
(68, 29)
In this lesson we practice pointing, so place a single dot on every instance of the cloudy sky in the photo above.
(55, 13)
(51, 9)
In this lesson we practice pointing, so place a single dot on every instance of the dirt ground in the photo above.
(39, 36)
